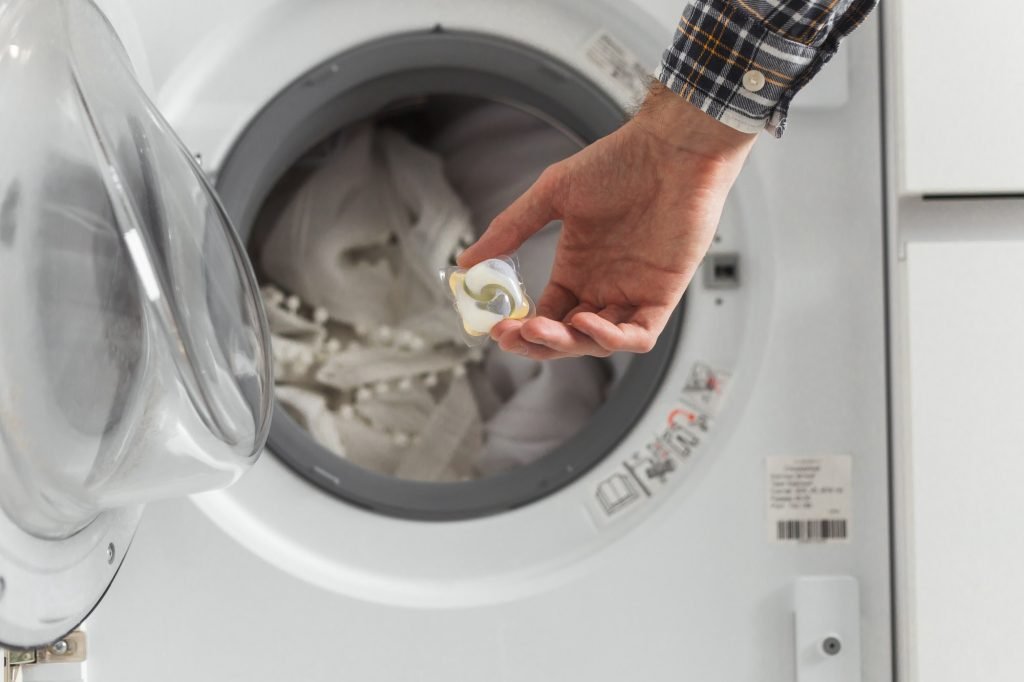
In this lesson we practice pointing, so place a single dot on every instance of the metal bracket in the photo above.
(68, 649)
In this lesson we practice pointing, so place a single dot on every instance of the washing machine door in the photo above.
(134, 354)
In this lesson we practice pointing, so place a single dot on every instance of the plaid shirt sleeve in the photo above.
(742, 61)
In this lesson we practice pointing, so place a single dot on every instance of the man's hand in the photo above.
(639, 210)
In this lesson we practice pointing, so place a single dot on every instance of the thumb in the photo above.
(513, 226)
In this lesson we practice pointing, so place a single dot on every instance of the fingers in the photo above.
(527, 214)
(631, 337)
(561, 337)
(541, 338)
(597, 333)
(509, 337)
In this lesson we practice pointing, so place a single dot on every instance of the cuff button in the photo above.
(753, 80)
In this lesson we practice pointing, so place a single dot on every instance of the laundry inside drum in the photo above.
(368, 351)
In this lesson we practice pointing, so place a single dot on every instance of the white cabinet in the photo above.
(958, 91)
(962, 605)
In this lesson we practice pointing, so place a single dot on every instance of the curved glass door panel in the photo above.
(133, 348)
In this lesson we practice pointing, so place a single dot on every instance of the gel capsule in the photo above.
(486, 294)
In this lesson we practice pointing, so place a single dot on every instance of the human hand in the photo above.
(639, 209)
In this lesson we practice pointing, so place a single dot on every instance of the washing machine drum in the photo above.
(352, 188)
(135, 362)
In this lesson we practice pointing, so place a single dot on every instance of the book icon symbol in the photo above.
(616, 492)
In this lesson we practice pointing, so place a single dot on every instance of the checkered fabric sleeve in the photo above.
(742, 61)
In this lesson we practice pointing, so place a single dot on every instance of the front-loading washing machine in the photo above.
(722, 515)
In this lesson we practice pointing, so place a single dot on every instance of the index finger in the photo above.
(527, 214)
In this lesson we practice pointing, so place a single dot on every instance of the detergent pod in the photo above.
(486, 294)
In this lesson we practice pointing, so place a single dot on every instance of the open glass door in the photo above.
(134, 359)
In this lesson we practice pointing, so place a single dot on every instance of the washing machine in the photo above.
(723, 515)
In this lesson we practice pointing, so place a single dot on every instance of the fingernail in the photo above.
(521, 350)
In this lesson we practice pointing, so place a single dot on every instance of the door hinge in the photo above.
(68, 649)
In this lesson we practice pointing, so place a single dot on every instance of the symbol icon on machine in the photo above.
(659, 469)
(679, 441)
(659, 462)
(684, 417)
(616, 492)
(704, 388)
(650, 469)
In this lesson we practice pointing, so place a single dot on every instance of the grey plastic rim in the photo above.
(359, 83)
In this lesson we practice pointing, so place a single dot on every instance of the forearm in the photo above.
(680, 126)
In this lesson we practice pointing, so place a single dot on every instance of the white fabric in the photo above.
(336, 236)
(493, 154)
(382, 376)
(545, 411)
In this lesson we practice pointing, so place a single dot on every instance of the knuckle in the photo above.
(530, 334)
(499, 224)
(549, 178)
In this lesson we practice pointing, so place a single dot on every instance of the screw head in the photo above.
(831, 646)
(60, 647)
(110, 553)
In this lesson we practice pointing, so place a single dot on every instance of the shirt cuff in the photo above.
(733, 68)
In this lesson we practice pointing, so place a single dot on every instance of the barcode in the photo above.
(811, 531)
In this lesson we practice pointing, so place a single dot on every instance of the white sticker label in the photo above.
(619, 62)
(809, 498)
